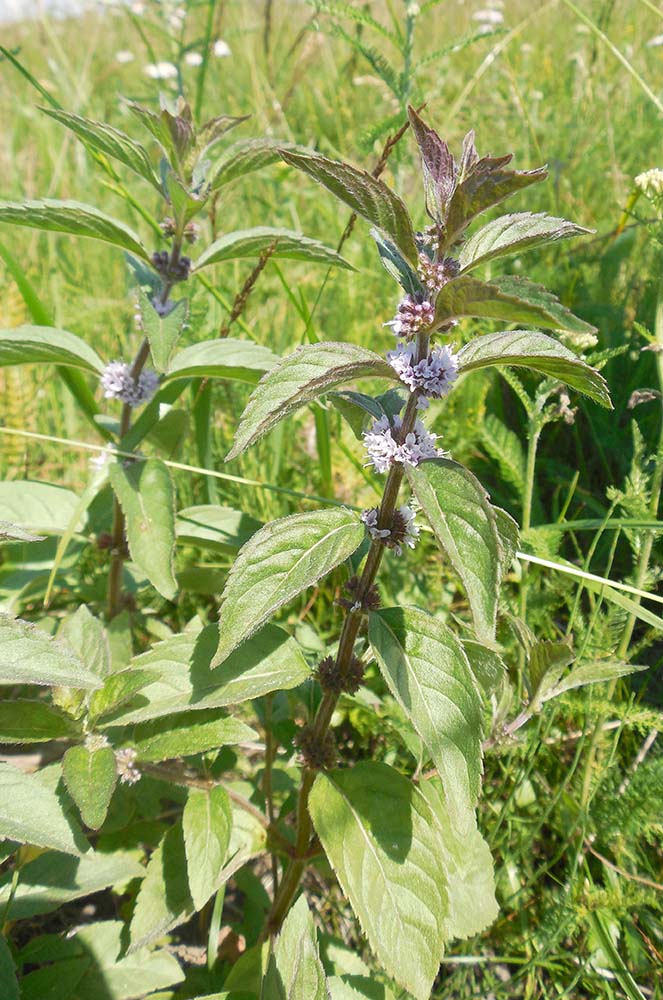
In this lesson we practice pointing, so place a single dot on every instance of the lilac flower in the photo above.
(118, 383)
(435, 274)
(412, 317)
(432, 377)
(370, 519)
(403, 530)
(125, 764)
(384, 447)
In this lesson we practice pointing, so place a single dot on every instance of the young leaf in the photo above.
(232, 359)
(440, 174)
(8, 983)
(90, 776)
(365, 195)
(510, 234)
(31, 813)
(163, 332)
(30, 656)
(430, 677)
(555, 682)
(218, 528)
(25, 721)
(396, 265)
(74, 218)
(206, 822)
(183, 680)
(298, 379)
(29, 345)
(295, 970)
(484, 183)
(108, 140)
(460, 514)
(380, 836)
(278, 563)
(188, 733)
(287, 245)
(146, 494)
(531, 349)
(514, 300)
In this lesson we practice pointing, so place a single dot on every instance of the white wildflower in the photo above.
(95, 741)
(488, 16)
(221, 48)
(433, 376)
(370, 519)
(125, 763)
(193, 59)
(384, 447)
(161, 71)
(650, 183)
(655, 42)
(124, 56)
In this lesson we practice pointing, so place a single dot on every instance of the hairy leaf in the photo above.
(163, 900)
(438, 165)
(484, 182)
(30, 656)
(31, 813)
(365, 195)
(460, 514)
(90, 777)
(85, 634)
(25, 721)
(243, 158)
(188, 733)
(14, 533)
(232, 359)
(146, 494)
(379, 834)
(504, 447)
(280, 561)
(163, 332)
(206, 823)
(25, 345)
(286, 243)
(396, 265)
(514, 233)
(555, 682)
(429, 675)
(298, 379)
(534, 350)
(295, 970)
(74, 218)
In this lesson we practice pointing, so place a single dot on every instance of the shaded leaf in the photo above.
(30, 656)
(295, 970)
(214, 527)
(8, 983)
(31, 813)
(232, 359)
(483, 183)
(25, 721)
(90, 777)
(163, 900)
(115, 976)
(34, 506)
(396, 265)
(206, 822)
(85, 634)
(28, 345)
(286, 243)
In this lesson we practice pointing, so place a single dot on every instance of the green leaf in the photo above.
(8, 983)
(514, 300)
(90, 776)
(206, 822)
(31, 813)
(54, 879)
(439, 167)
(182, 679)
(14, 533)
(231, 359)
(356, 406)
(218, 528)
(163, 332)
(39, 507)
(279, 562)
(357, 987)
(25, 721)
(85, 634)
(534, 350)
(555, 683)
(188, 733)
(287, 244)
(363, 193)
(75, 218)
(303, 376)
(504, 447)
(510, 234)
(241, 158)
(295, 970)
(430, 677)
(163, 900)
(147, 498)
(460, 514)
(28, 345)
(30, 656)
(108, 140)
(118, 689)
(379, 834)
(115, 976)
(396, 265)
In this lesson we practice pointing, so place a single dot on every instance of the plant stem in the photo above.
(534, 433)
(293, 874)
(267, 785)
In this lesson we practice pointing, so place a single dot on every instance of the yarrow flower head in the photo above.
(403, 530)
(433, 377)
(411, 317)
(650, 183)
(118, 383)
(384, 448)
(161, 71)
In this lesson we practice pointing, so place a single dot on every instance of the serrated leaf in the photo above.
(31, 813)
(439, 167)
(515, 233)
(8, 982)
(163, 332)
(504, 446)
(211, 526)
(183, 680)
(206, 823)
(365, 195)
(464, 523)
(546, 662)
(147, 498)
(279, 562)
(595, 672)
(396, 265)
(355, 407)
(25, 721)
(40, 507)
(509, 536)
(231, 359)
(30, 656)
(14, 533)
(379, 834)
(241, 158)
(108, 140)
(188, 733)
(295, 970)
(29, 345)
(534, 350)
(298, 379)
(429, 675)
(514, 300)
(119, 688)
(74, 218)
(90, 777)
(484, 182)
(287, 245)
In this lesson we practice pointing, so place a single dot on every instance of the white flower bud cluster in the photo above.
(118, 383)
(650, 183)
(433, 377)
(384, 448)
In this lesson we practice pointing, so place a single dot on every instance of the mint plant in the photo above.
(403, 843)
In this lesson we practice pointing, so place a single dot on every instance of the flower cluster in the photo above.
(384, 448)
(412, 317)
(403, 530)
(125, 764)
(650, 183)
(436, 274)
(432, 377)
(118, 383)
